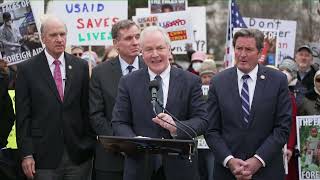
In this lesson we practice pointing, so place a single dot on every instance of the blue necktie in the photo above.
(245, 101)
(130, 67)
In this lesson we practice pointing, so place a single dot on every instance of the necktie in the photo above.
(245, 101)
(159, 94)
(57, 78)
(130, 68)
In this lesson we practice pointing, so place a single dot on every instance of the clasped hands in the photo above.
(244, 170)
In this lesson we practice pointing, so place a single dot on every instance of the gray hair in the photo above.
(252, 33)
(123, 24)
(46, 19)
(151, 29)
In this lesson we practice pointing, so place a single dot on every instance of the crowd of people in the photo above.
(246, 113)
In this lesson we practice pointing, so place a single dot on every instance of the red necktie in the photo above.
(57, 78)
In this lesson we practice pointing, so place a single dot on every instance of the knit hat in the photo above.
(198, 56)
(208, 66)
(289, 65)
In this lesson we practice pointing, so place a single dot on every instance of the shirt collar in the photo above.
(51, 59)
(124, 63)
(163, 75)
(253, 74)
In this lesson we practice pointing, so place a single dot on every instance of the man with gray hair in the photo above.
(103, 91)
(249, 125)
(53, 130)
(133, 115)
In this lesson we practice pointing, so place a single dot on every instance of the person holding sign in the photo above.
(53, 131)
(250, 125)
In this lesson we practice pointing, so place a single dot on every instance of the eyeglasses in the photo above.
(77, 54)
(318, 80)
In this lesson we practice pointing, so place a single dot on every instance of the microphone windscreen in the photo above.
(154, 84)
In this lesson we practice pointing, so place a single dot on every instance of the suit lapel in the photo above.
(174, 87)
(69, 75)
(258, 92)
(47, 75)
(116, 68)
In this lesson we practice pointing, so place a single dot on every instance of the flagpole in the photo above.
(227, 45)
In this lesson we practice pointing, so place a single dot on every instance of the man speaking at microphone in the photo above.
(133, 115)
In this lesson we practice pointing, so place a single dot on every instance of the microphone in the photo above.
(153, 88)
(180, 122)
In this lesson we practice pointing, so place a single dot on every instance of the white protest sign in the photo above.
(286, 35)
(177, 24)
(198, 28)
(89, 22)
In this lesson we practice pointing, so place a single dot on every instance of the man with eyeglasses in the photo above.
(103, 91)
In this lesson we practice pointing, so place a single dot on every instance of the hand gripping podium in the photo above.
(134, 145)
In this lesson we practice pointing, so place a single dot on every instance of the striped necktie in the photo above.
(245, 100)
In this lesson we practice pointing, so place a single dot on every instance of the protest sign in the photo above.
(89, 22)
(198, 28)
(308, 137)
(286, 33)
(19, 37)
(164, 6)
(177, 25)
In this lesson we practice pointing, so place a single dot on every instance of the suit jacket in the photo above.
(6, 111)
(102, 94)
(132, 116)
(269, 122)
(45, 125)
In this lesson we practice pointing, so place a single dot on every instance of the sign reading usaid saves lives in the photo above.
(89, 22)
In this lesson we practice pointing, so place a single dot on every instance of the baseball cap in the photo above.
(307, 47)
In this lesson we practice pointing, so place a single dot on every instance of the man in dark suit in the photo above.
(7, 116)
(53, 130)
(249, 113)
(133, 113)
(103, 91)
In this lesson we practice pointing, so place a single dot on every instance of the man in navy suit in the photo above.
(53, 130)
(133, 112)
(249, 114)
(103, 91)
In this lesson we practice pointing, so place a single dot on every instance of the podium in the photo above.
(134, 145)
(148, 146)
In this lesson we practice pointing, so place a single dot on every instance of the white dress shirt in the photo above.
(62, 66)
(165, 75)
(250, 81)
(124, 65)
(251, 85)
